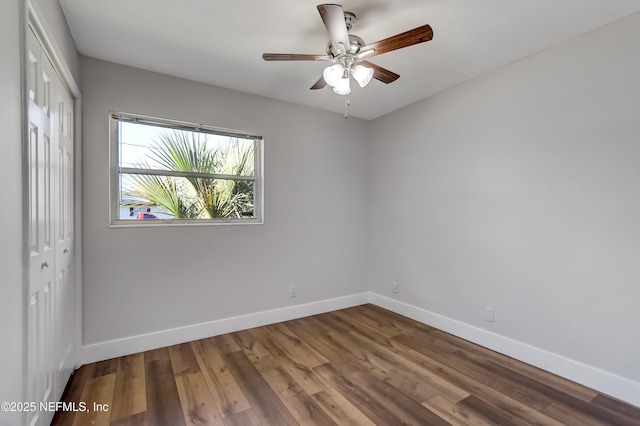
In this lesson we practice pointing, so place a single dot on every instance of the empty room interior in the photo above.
(286, 212)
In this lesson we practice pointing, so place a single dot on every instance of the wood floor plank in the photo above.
(293, 347)
(532, 393)
(282, 384)
(163, 401)
(340, 409)
(400, 407)
(562, 384)
(422, 381)
(336, 324)
(259, 356)
(535, 392)
(306, 329)
(226, 393)
(304, 375)
(73, 393)
(454, 413)
(491, 413)
(617, 407)
(105, 367)
(355, 318)
(262, 398)
(509, 408)
(416, 381)
(139, 419)
(97, 390)
(245, 418)
(491, 374)
(426, 341)
(418, 390)
(301, 406)
(359, 366)
(130, 395)
(348, 346)
(314, 322)
(198, 407)
(603, 415)
(568, 415)
(225, 343)
(183, 361)
(386, 319)
(362, 326)
(349, 382)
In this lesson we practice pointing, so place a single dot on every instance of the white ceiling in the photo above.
(220, 42)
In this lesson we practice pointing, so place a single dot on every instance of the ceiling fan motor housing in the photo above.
(355, 41)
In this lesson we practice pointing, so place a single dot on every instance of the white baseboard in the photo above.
(134, 344)
(600, 380)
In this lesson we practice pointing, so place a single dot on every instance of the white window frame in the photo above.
(116, 170)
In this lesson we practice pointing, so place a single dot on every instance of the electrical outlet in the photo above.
(490, 314)
(395, 287)
(292, 292)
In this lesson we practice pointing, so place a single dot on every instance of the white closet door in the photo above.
(63, 227)
(51, 310)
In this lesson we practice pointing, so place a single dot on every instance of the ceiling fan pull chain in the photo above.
(347, 101)
(346, 106)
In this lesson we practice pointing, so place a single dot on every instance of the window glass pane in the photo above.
(154, 197)
(161, 148)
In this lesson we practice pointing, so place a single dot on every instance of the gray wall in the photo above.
(11, 302)
(520, 190)
(11, 285)
(141, 280)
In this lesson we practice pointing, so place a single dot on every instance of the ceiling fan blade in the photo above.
(398, 41)
(333, 18)
(381, 74)
(320, 84)
(292, 57)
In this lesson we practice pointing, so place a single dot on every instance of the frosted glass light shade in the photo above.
(342, 87)
(333, 74)
(362, 74)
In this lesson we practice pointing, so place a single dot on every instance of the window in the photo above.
(170, 172)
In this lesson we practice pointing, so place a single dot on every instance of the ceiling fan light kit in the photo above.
(342, 87)
(348, 51)
(362, 74)
(337, 76)
(332, 74)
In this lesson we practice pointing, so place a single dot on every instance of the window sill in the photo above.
(133, 223)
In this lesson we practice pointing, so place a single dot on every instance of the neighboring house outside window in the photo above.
(171, 172)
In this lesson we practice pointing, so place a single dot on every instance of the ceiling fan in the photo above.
(347, 52)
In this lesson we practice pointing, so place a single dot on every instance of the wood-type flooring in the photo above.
(357, 366)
